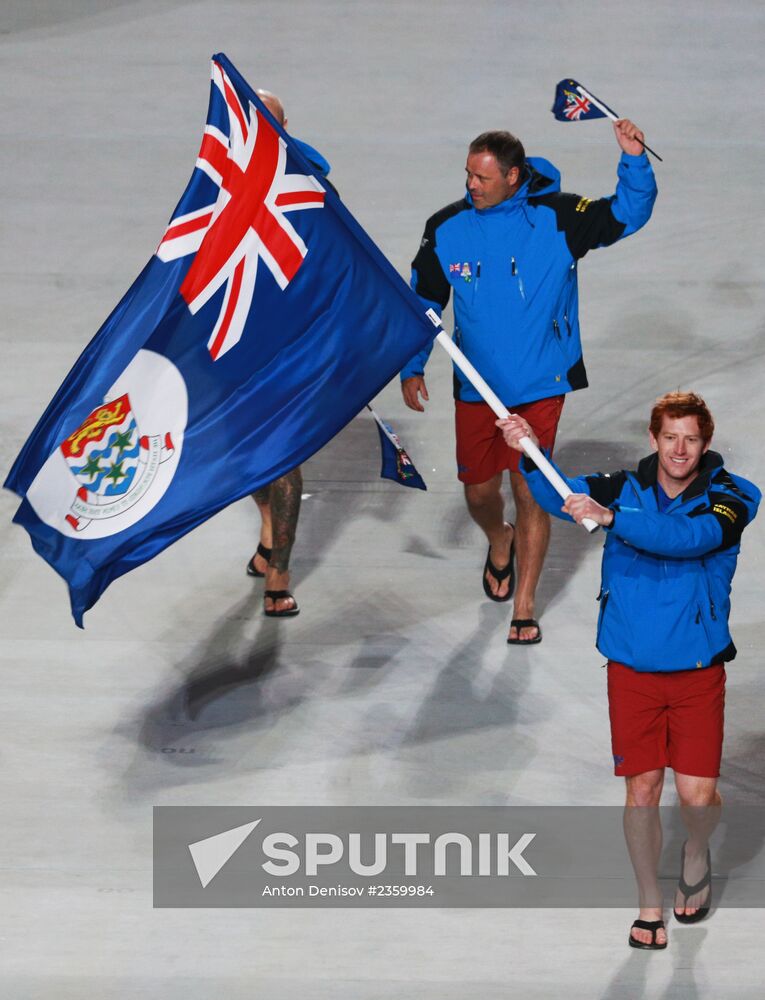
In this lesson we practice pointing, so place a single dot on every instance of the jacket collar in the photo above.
(514, 204)
(540, 177)
(711, 461)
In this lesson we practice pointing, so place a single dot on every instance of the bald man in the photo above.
(279, 502)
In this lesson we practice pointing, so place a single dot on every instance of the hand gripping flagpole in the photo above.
(610, 114)
(489, 396)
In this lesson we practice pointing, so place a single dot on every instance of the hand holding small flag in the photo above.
(575, 104)
(629, 136)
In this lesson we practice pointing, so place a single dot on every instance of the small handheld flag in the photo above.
(572, 106)
(396, 464)
(575, 104)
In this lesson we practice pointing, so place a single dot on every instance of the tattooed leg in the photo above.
(285, 507)
(262, 498)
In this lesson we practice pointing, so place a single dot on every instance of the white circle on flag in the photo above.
(156, 422)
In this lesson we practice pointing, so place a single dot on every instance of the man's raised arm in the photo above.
(588, 223)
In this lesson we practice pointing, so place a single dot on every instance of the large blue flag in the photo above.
(264, 322)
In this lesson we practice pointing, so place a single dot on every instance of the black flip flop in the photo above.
(692, 890)
(648, 925)
(500, 574)
(265, 554)
(280, 595)
(520, 623)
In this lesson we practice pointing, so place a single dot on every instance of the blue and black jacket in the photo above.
(316, 160)
(313, 156)
(512, 269)
(666, 577)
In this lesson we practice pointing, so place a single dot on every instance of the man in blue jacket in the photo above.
(673, 533)
(508, 251)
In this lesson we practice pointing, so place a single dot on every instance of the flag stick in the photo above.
(396, 444)
(548, 471)
(609, 114)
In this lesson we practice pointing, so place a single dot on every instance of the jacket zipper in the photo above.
(712, 609)
(515, 274)
(602, 598)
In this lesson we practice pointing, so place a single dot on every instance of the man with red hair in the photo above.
(673, 531)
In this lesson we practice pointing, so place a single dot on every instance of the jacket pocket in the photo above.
(708, 591)
(701, 622)
(558, 335)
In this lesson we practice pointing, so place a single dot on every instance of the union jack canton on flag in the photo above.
(572, 106)
(264, 322)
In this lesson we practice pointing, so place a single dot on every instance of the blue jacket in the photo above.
(513, 271)
(313, 156)
(666, 577)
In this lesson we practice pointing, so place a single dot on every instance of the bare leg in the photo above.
(701, 805)
(285, 494)
(486, 504)
(642, 831)
(532, 529)
(262, 499)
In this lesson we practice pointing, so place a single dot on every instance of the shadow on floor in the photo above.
(631, 977)
(239, 679)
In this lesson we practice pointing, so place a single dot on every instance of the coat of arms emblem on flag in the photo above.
(112, 462)
(115, 466)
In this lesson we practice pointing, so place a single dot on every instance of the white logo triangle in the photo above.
(211, 854)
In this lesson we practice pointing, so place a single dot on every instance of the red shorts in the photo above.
(481, 449)
(666, 720)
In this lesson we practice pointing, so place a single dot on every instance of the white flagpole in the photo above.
(601, 107)
(396, 444)
(548, 471)
(609, 114)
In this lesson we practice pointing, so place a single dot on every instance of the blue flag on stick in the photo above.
(262, 324)
(575, 104)
(396, 463)
(571, 105)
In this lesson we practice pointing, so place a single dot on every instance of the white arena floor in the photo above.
(395, 685)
